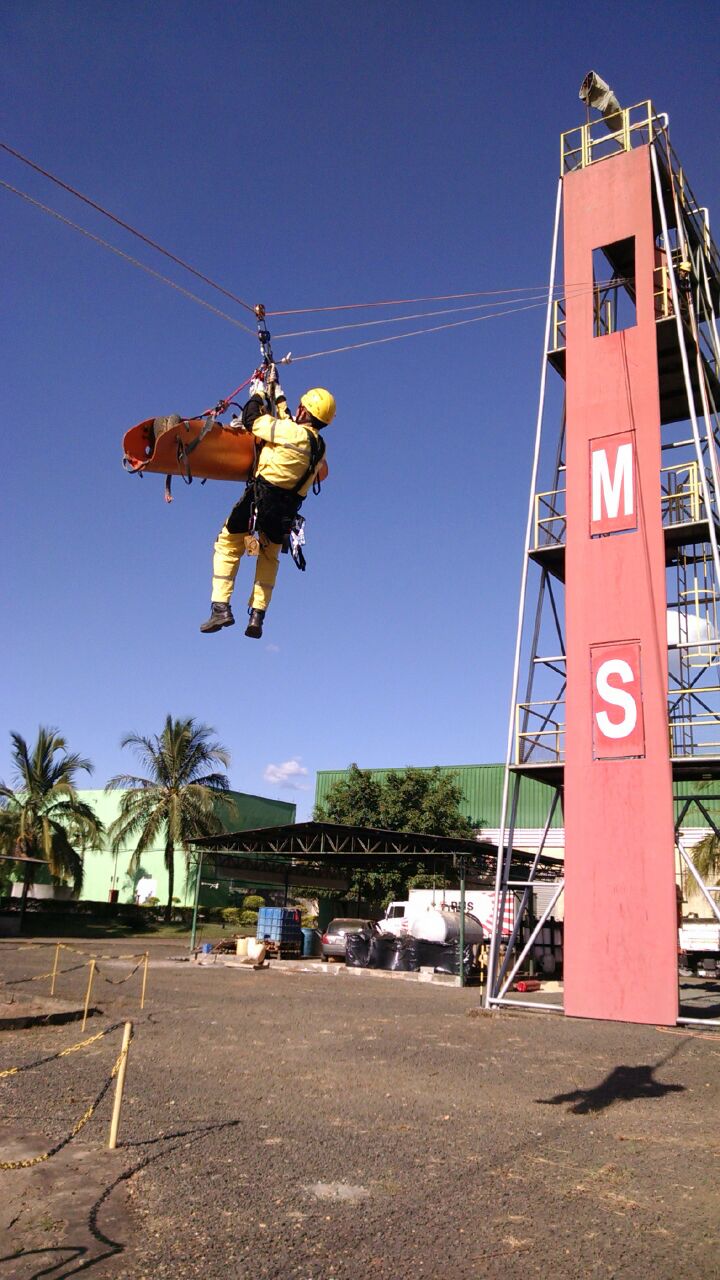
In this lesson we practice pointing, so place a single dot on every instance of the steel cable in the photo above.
(509, 305)
(403, 302)
(125, 225)
(413, 333)
(157, 275)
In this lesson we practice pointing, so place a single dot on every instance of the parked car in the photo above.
(333, 939)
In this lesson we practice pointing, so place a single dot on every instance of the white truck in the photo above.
(400, 916)
(700, 940)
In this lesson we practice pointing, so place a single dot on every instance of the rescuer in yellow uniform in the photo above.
(291, 454)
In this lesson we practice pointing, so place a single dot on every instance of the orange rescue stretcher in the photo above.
(193, 448)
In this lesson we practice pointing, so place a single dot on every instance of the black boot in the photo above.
(255, 625)
(221, 615)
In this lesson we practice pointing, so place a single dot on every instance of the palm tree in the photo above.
(706, 857)
(41, 815)
(175, 802)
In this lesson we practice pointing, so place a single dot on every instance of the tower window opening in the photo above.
(614, 287)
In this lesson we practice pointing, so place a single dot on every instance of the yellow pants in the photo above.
(229, 548)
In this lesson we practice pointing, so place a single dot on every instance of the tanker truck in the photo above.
(426, 910)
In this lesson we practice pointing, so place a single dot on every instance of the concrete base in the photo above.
(335, 970)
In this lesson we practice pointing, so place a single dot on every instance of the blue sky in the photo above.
(301, 154)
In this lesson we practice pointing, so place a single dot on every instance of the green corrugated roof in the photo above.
(482, 786)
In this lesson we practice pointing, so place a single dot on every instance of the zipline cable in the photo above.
(125, 225)
(447, 311)
(402, 302)
(509, 309)
(413, 333)
(127, 257)
(153, 244)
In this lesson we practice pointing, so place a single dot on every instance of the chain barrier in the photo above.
(117, 982)
(91, 955)
(14, 982)
(87, 957)
(80, 1124)
(25, 946)
(61, 1053)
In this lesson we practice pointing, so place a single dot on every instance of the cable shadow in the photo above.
(182, 1133)
(76, 1250)
(110, 1248)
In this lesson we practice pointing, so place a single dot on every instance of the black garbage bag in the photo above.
(444, 957)
(432, 954)
(403, 956)
(357, 948)
(378, 952)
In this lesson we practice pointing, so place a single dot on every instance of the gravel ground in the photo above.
(288, 1126)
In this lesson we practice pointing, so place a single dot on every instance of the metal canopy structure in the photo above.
(331, 843)
(318, 852)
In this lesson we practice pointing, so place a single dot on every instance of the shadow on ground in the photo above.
(70, 1260)
(623, 1084)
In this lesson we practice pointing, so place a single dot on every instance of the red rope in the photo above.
(230, 396)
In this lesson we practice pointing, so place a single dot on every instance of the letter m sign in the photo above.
(613, 505)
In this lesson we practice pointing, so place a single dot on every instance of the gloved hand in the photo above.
(279, 393)
(271, 374)
(257, 387)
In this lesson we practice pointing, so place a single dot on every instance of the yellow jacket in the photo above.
(285, 457)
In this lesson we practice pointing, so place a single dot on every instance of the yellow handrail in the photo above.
(594, 136)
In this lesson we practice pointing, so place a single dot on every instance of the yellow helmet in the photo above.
(320, 404)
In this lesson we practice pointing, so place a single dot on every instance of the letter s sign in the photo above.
(618, 729)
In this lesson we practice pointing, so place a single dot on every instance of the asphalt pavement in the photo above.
(291, 1126)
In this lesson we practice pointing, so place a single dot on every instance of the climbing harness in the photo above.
(317, 453)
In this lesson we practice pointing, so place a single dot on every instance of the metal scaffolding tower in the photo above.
(617, 708)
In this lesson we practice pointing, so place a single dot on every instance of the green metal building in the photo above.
(481, 785)
(106, 871)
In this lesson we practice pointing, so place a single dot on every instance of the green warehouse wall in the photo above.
(105, 870)
(481, 786)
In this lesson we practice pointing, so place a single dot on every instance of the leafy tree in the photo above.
(426, 801)
(354, 800)
(175, 801)
(253, 902)
(41, 815)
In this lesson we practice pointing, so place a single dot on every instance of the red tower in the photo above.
(621, 713)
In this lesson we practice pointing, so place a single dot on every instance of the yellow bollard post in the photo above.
(115, 1122)
(55, 968)
(144, 982)
(89, 989)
